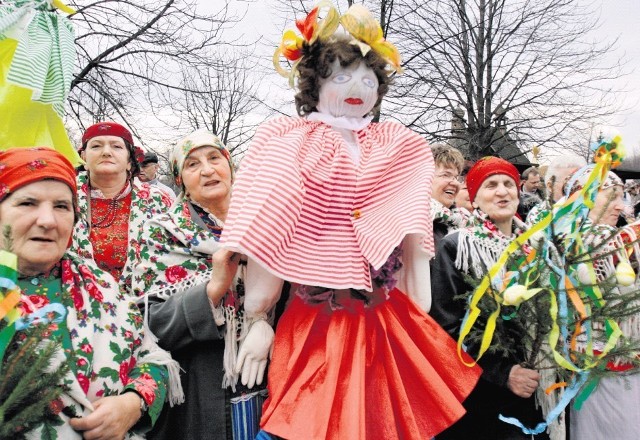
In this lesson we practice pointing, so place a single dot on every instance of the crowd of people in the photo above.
(317, 292)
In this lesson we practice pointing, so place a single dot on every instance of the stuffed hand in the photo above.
(254, 351)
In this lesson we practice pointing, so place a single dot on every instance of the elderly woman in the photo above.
(110, 390)
(114, 205)
(340, 207)
(445, 187)
(505, 387)
(188, 312)
(611, 411)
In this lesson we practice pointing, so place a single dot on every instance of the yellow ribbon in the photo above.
(612, 153)
(311, 29)
(8, 306)
(59, 4)
(8, 302)
(359, 22)
(474, 310)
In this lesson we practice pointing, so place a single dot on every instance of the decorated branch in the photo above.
(566, 284)
(28, 382)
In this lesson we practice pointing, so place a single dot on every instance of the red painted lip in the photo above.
(354, 101)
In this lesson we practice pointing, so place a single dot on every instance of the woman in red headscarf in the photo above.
(114, 205)
(116, 382)
(505, 387)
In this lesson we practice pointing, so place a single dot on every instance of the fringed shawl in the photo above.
(481, 244)
(175, 255)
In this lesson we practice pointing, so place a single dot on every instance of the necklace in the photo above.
(110, 216)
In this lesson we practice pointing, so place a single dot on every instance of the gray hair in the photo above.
(563, 163)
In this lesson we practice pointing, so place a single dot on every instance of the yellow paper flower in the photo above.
(359, 22)
(625, 274)
(517, 294)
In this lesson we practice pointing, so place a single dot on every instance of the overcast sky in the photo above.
(619, 18)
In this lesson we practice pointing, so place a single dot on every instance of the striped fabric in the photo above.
(245, 414)
(304, 211)
(44, 58)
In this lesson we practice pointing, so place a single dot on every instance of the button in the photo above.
(356, 213)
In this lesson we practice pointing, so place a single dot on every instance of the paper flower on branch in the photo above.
(558, 274)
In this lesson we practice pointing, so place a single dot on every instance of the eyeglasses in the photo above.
(448, 177)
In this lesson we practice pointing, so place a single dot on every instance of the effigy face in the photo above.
(350, 91)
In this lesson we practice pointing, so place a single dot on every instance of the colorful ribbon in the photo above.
(9, 298)
(566, 304)
(359, 22)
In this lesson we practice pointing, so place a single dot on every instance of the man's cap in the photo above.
(149, 157)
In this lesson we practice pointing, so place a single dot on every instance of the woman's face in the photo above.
(608, 206)
(350, 91)
(106, 156)
(445, 185)
(41, 217)
(498, 198)
(206, 176)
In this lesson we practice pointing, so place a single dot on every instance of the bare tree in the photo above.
(522, 69)
(224, 102)
(130, 52)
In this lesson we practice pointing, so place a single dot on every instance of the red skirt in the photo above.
(385, 371)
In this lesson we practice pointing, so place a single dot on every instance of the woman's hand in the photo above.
(522, 381)
(112, 418)
(225, 265)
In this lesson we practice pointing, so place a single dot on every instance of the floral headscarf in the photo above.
(579, 178)
(22, 166)
(184, 147)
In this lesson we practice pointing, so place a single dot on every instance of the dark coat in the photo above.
(184, 326)
(491, 396)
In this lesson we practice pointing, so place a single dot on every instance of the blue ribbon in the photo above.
(568, 395)
(40, 316)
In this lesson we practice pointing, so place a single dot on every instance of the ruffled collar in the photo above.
(355, 124)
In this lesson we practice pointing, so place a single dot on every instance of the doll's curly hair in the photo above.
(316, 64)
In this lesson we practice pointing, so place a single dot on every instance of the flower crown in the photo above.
(357, 21)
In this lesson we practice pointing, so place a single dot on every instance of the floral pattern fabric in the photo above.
(175, 255)
(173, 248)
(146, 201)
(102, 341)
(453, 218)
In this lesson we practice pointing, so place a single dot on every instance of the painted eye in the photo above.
(341, 78)
(369, 82)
